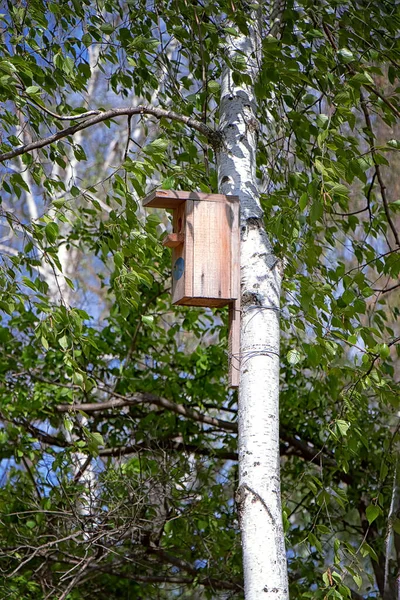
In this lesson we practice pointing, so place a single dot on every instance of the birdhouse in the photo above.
(205, 244)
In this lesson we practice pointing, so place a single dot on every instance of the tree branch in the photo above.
(386, 290)
(169, 445)
(121, 401)
(174, 579)
(300, 448)
(160, 113)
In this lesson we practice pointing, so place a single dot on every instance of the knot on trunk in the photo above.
(216, 139)
(251, 299)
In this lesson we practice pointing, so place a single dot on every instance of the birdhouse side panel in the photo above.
(212, 250)
(182, 255)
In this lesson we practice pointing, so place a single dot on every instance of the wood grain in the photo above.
(212, 251)
(234, 344)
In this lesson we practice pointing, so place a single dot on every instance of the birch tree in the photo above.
(258, 494)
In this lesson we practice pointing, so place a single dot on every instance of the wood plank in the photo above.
(173, 240)
(234, 344)
(156, 200)
(235, 250)
(173, 198)
(189, 246)
(212, 251)
(210, 302)
(234, 308)
(179, 260)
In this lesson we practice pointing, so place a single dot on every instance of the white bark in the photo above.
(258, 495)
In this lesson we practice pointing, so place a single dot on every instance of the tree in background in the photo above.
(118, 438)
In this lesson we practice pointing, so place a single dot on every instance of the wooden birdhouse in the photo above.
(205, 246)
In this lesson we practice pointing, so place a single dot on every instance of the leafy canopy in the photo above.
(116, 474)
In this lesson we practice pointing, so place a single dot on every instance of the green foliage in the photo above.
(86, 314)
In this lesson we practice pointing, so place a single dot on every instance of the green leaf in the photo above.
(214, 87)
(59, 202)
(343, 426)
(68, 424)
(32, 89)
(78, 378)
(326, 578)
(52, 232)
(372, 512)
(7, 67)
(97, 438)
(141, 42)
(107, 28)
(323, 529)
(148, 319)
(30, 284)
(303, 201)
(362, 79)
(320, 167)
(339, 189)
(384, 351)
(322, 121)
(345, 55)
(168, 183)
(396, 525)
(69, 282)
(157, 147)
(118, 259)
(293, 357)
(63, 341)
(75, 191)
(231, 31)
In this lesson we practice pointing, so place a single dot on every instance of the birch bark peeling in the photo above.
(258, 495)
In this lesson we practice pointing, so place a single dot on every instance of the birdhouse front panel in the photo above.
(212, 274)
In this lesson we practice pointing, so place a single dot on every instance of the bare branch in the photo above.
(120, 401)
(177, 579)
(175, 445)
(159, 113)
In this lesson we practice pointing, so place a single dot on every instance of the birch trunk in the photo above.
(258, 495)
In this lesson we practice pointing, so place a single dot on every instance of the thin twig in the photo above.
(31, 477)
(382, 186)
(84, 115)
(386, 290)
(128, 139)
(370, 88)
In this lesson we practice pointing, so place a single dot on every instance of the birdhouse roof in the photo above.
(172, 198)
